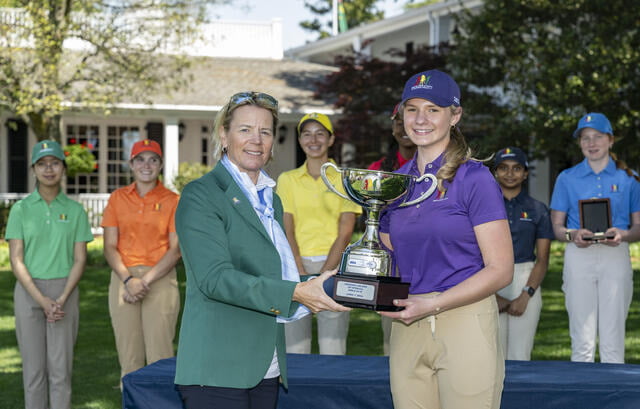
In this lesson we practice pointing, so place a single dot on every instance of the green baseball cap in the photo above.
(46, 148)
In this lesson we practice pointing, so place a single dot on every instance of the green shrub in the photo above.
(4, 216)
(79, 159)
(187, 172)
(4, 254)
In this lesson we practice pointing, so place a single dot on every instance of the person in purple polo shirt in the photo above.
(455, 251)
(520, 302)
(597, 275)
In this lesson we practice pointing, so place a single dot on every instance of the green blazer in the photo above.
(234, 287)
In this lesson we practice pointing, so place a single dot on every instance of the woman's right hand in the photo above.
(52, 310)
(137, 288)
(579, 235)
(311, 294)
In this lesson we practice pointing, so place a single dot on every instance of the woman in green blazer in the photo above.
(242, 283)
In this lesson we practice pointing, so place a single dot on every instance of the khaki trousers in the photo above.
(46, 347)
(333, 327)
(145, 330)
(449, 361)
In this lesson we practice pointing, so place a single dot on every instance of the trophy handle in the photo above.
(323, 171)
(434, 185)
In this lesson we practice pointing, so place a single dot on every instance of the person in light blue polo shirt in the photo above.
(531, 233)
(597, 275)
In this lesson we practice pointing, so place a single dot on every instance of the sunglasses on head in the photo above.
(257, 97)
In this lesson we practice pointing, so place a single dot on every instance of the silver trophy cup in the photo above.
(364, 279)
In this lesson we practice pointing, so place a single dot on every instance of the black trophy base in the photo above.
(375, 293)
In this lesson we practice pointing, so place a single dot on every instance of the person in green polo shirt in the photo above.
(48, 235)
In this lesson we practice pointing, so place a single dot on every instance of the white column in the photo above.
(170, 151)
(539, 180)
(103, 157)
(433, 33)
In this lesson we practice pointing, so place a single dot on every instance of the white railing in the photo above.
(94, 204)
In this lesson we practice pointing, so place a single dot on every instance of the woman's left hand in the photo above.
(311, 293)
(130, 299)
(56, 313)
(415, 308)
(617, 237)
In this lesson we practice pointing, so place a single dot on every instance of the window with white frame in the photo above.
(87, 136)
(120, 140)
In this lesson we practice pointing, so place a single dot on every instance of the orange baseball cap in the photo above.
(144, 146)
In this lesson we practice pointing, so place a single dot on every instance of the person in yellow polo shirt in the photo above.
(319, 225)
(48, 235)
(141, 246)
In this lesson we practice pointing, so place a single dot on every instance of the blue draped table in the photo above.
(362, 382)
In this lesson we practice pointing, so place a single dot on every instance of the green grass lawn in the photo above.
(96, 369)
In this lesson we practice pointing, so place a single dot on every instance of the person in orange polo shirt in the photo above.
(141, 246)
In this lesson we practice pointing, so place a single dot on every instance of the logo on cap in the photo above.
(45, 147)
(422, 82)
(507, 152)
(146, 142)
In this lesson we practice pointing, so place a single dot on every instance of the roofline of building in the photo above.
(191, 109)
(381, 27)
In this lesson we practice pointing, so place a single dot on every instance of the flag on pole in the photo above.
(342, 18)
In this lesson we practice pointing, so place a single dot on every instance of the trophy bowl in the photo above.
(364, 278)
(365, 185)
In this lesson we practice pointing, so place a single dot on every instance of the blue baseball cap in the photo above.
(511, 153)
(594, 120)
(433, 85)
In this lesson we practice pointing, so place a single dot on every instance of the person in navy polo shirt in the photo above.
(597, 275)
(455, 251)
(531, 233)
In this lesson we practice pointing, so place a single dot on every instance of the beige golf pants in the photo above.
(144, 331)
(448, 361)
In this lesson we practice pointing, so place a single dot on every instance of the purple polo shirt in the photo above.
(434, 243)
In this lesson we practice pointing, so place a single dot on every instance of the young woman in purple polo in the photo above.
(455, 250)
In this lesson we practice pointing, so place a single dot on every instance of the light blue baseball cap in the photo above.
(594, 120)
